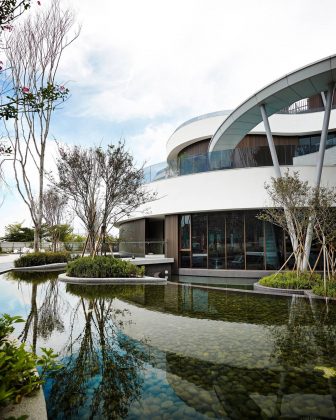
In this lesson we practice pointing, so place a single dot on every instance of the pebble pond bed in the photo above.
(177, 352)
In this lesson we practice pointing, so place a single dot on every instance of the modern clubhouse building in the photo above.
(212, 186)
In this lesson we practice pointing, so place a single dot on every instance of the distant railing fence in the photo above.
(122, 248)
(141, 248)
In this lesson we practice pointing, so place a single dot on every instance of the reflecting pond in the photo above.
(176, 351)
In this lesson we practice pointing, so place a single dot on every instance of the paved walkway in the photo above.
(7, 262)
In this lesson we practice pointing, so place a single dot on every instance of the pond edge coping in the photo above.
(294, 292)
(47, 267)
(262, 291)
(277, 290)
(112, 280)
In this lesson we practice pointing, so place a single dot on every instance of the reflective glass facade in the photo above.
(230, 240)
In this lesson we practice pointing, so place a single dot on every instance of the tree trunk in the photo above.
(37, 238)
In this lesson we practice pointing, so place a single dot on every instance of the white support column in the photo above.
(319, 167)
(270, 141)
(323, 99)
(278, 173)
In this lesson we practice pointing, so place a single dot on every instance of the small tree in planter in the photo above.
(103, 186)
(322, 204)
(292, 194)
(305, 204)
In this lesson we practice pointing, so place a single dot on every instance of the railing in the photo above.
(228, 159)
(302, 106)
(123, 248)
(141, 248)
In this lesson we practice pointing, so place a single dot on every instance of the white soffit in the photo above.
(303, 83)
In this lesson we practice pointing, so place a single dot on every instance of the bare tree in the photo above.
(122, 186)
(55, 214)
(104, 187)
(34, 50)
(79, 178)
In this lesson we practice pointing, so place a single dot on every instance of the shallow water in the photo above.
(176, 351)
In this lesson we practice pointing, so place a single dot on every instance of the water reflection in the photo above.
(182, 352)
(43, 320)
(102, 371)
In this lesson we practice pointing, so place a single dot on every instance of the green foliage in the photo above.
(290, 280)
(18, 375)
(329, 292)
(18, 233)
(42, 258)
(103, 267)
(72, 237)
(10, 10)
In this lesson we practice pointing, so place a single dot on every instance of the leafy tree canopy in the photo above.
(17, 233)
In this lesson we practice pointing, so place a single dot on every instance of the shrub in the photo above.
(18, 366)
(330, 292)
(103, 267)
(42, 258)
(289, 280)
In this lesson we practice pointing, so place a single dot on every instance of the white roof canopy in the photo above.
(303, 83)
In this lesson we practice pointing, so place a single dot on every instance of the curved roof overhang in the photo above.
(303, 83)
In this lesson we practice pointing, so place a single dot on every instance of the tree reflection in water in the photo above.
(102, 372)
(309, 336)
(44, 320)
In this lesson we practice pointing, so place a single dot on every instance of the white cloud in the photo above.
(149, 147)
(148, 59)
(152, 63)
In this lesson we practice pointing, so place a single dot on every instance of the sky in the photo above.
(140, 68)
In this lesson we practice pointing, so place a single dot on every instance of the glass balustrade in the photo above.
(246, 157)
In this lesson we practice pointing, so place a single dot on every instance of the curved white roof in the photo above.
(305, 82)
(194, 130)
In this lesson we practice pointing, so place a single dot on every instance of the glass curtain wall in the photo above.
(199, 238)
(235, 252)
(185, 240)
(254, 242)
(216, 240)
(230, 240)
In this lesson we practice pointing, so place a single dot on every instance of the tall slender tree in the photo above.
(34, 50)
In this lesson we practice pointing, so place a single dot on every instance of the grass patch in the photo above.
(103, 267)
(42, 258)
(289, 280)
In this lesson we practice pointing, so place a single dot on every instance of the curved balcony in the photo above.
(247, 157)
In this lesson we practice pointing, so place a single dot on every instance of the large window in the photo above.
(274, 246)
(185, 241)
(235, 240)
(199, 240)
(254, 242)
(216, 240)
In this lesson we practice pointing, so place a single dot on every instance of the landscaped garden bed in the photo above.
(106, 270)
(41, 260)
(290, 282)
(319, 290)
